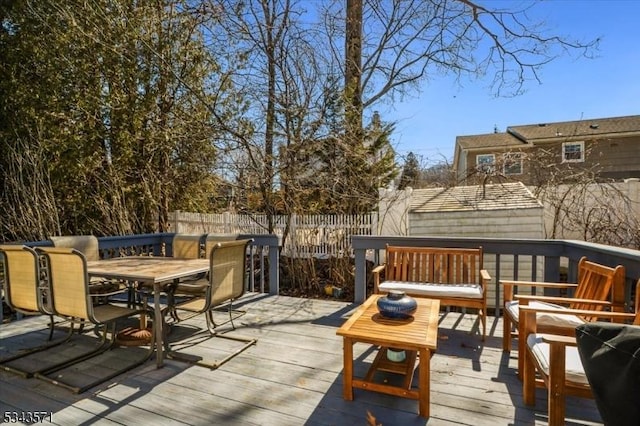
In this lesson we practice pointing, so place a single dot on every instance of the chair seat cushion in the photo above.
(108, 312)
(467, 291)
(192, 288)
(574, 369)
(543, 318)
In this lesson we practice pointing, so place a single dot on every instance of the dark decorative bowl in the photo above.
(397, 305)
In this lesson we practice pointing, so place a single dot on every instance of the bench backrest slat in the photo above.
(434, 265)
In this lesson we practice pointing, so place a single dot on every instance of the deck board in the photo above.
(293, 376)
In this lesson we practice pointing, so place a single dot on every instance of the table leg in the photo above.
(157, 318)
(347, 374)
(424, 382)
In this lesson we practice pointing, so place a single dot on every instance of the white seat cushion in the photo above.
(573, 369)
(544, 318)
(467, 291)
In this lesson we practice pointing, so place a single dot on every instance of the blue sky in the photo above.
(571, 89)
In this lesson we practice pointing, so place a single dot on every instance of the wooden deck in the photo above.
(293, 376)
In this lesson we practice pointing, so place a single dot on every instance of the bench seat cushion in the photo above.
(467, 291)
(573, 365)
(544, 318)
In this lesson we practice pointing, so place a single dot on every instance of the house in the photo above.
(605, 148)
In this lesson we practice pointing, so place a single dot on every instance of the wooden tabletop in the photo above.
(367, 325)
(146, 268)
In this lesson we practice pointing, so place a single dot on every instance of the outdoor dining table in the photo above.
(154, 271)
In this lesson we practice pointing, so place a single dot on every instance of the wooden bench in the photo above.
(452, 275)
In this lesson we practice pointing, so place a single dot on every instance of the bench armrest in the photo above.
(376, 277)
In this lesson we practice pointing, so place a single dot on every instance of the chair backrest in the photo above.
(186, 246)
(22, 279)
(213, 239)
(433, 264)
(228, 271)
(86, 244)
(69, 282)
(598, 282)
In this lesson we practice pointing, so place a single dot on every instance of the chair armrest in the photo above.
(509, 284)
(484, 274)
(376, 277)
(538, 284)
(559, 300)
(620, 316)
(555, 339)
(528, 318)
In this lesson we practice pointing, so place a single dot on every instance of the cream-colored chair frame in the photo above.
(227, 282)
(71, 299)
(24, 293)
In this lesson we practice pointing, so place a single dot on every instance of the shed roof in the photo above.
(506, 196)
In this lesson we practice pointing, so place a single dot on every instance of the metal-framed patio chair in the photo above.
(188, 246)
(71, 299)
(26, 294)
(88, 245)
(227, 283)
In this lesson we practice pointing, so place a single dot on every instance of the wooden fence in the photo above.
(307, 235)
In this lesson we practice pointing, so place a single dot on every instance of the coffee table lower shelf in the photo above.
(382, 363)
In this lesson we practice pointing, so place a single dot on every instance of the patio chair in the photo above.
(71, 299)
(88, 246)
(227, 281)
(25, 294)
(556, 360)
(188, 246)
(595, 290)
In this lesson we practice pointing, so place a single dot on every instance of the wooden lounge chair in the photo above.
(596, 289)
(556, 360)
(227, 281)
(25, 294)
(71, 299)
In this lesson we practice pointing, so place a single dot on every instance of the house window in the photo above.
(486, 162)
(512, 163)
(572, 152)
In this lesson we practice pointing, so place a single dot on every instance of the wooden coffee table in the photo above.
(417, 336)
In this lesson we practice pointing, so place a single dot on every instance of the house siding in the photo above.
(612, 149)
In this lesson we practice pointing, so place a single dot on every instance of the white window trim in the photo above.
(486, 166)
(512, 157)
(573, 160)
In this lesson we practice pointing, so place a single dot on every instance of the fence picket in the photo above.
(309, 235)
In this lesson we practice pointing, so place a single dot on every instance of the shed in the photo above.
(507, 210)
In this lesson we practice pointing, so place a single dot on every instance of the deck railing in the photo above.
(264, 250)
(522, 259)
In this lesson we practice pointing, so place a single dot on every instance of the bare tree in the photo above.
(391, 48)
